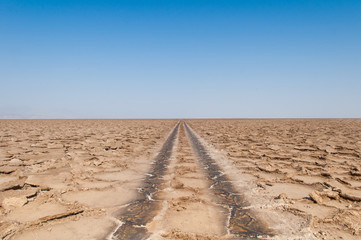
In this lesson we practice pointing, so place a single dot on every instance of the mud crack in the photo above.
(241, 221)
(138, 213)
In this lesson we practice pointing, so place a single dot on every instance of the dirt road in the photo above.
(194, 179)
(187, 196)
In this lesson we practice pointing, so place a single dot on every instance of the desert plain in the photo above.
(180, 179)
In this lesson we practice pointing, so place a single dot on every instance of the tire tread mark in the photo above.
(138, 213)
(241, 222)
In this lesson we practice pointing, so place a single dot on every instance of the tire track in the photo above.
(241, 223)
(137, 214)
(189, 210)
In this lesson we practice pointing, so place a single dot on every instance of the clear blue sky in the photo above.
(180, 59)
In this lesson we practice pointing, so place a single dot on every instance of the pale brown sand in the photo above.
(306, 168)
(188, 210)
(64, 179)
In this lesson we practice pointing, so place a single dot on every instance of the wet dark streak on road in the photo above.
(241, 222)
(137, 214)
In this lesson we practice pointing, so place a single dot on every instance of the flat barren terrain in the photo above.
(306, 171)
(62, 179)
(171, 179)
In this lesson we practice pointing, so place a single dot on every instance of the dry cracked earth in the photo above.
(188, 179)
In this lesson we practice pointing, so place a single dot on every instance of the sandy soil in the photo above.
(296, 169)
(189, 210)
(62, 179)
(72, 179)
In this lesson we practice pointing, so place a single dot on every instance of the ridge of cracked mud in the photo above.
(241, 222)
(138, 213)
(67, 179)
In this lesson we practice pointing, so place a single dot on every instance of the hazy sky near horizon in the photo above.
(180, 59)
